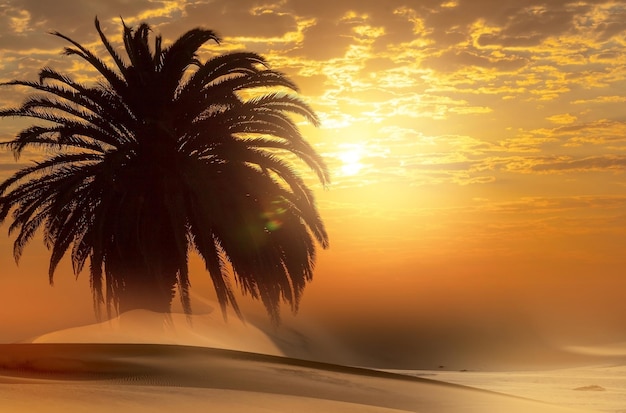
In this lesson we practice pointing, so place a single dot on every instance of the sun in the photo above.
(350, 157)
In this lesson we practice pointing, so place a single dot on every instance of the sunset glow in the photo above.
(477, 152)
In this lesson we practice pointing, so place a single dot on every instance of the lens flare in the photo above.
(272, 215)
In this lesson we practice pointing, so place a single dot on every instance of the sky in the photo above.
(477, 151)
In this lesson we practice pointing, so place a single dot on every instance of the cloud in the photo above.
(601, 99)
(243, 19)
(564, 118)
(552, 205)
(75, 18)
(454, 59)
(612, 163)
(530, 25)
(375, 69)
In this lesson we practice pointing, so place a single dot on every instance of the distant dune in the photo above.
(164, 378)
(141, 326)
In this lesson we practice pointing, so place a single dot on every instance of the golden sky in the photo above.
(477, 149)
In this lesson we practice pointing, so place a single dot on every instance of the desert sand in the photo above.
(79, 377)
(146, 363)
(595, 387)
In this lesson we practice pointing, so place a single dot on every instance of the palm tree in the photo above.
(164, 155)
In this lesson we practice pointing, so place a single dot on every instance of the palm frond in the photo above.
(113, 78)
(116, 57)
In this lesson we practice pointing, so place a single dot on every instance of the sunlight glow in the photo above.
(350, 158)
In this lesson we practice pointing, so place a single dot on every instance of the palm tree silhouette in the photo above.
(164, 155)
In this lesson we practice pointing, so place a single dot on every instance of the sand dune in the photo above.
(142, 326)
(147, 363)
(160, 378)
(304, 341)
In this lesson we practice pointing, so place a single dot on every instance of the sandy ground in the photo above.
(600, 388)
(54, 377)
